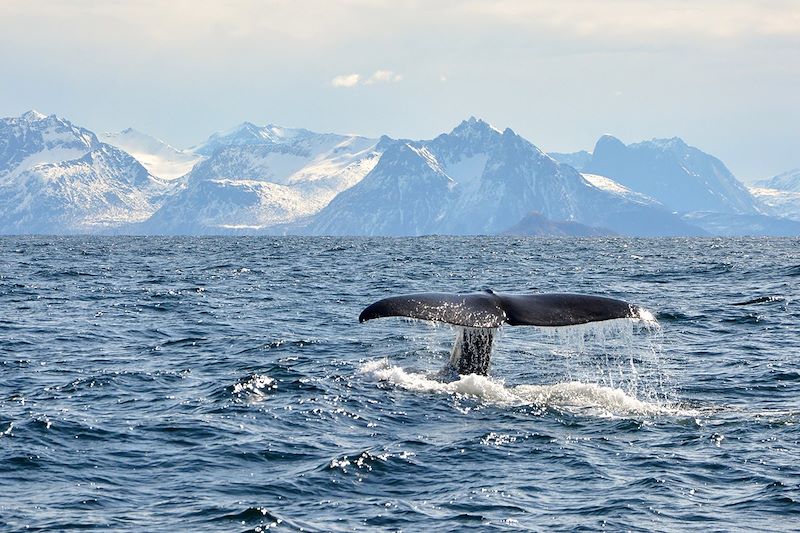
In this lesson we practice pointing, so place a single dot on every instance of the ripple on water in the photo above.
(155, 384)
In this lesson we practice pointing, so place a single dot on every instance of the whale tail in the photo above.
(472, 350)
(480, 314)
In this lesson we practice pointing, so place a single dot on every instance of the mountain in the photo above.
(679, 176)
(403, 195)
(56, 177)
(265, 177)
(778, 202)
(779, 195)
(159, 158)
(248, 133)
(788, 181)
(537, 225)
(479, 180)
(33, 139)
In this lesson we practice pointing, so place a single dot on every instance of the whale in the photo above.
(479, 315)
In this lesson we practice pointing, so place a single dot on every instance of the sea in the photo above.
(169, 384)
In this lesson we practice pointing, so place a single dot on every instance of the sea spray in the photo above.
(613, 367)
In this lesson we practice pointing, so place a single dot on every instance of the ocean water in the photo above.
(225, 384)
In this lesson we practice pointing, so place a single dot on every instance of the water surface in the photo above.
(162, 384)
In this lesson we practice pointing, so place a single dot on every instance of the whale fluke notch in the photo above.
(491, 310)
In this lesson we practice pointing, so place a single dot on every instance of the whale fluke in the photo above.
(491, 310)
(481, 313)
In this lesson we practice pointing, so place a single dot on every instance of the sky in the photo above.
(722, 75)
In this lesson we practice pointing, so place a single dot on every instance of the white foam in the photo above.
(588, 398)
(255, 387)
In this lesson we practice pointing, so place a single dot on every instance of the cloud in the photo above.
(346, 80)
(643, 21)
(379, 76)
(383, 76)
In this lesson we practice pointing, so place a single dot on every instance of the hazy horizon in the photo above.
(721, 76)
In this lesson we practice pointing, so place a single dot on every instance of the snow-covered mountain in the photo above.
(158, 157)
(780, 195)
(778, 203)
(679, 176)
(479, 180)
(33, 139)
(56, 177)
(248, 133)
(787, 181)
(266, 176)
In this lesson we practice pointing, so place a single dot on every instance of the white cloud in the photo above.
(379, 76)
(383, 76)
(346, 80)
(644, 21)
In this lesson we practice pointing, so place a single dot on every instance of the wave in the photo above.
(576, 396)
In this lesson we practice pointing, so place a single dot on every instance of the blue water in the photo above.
(163, 384)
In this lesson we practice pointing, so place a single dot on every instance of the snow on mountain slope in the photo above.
(267, 176)
(479, 180)
(159, 158)
(248, 133)
(788, 181)
(781, 203)
(405, 194)
(101, 190)
(56, 177)
(34, 139)
(679, 176)
(610, 186)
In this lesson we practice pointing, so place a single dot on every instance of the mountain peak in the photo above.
(473, 126)
(244, 129)
(682, 178)
(673, 143)
(608, 142)
(32, 115)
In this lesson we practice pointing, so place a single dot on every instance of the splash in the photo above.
(619, 354)
(605, 368)
(574, 396)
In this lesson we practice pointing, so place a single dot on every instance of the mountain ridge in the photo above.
(475, 179)
(493, 179)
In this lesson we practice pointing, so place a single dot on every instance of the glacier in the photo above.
(158, 157)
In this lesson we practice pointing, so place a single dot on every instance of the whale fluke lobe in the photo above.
(479, 314)
(491, 310)
(478, 310)
(563, 309)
